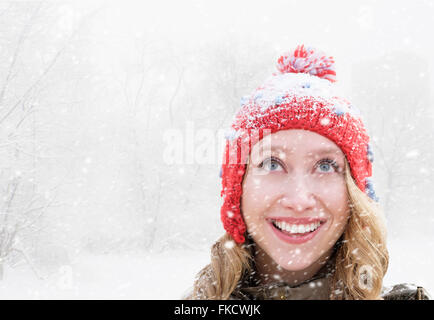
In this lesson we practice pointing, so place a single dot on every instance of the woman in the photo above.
(301, 217)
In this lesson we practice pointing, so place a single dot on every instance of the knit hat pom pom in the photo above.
(307, 60)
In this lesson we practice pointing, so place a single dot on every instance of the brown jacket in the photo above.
(317, 288)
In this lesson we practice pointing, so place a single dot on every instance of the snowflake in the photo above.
(229, 244)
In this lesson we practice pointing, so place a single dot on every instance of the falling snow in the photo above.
(85, 104)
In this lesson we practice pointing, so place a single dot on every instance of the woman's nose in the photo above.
(297, 195)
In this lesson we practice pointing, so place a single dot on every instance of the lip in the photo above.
(292, 220)
(296, 239)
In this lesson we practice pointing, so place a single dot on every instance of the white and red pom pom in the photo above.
(307, 60)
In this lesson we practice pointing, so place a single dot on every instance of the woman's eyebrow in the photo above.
(263, 149)
(310, 154)
(324, 151)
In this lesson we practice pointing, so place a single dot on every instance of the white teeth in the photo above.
(297, 228)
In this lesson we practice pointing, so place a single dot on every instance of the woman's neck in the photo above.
(268, 271)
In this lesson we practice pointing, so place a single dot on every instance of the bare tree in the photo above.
(23, 203)
(394, 100)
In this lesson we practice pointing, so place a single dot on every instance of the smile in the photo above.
(296, 230)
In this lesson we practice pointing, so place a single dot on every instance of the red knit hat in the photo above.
(301, 96)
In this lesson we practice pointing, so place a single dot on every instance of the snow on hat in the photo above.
(301, 96)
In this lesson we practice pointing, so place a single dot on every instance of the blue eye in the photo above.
(270, 164)
(326, 164)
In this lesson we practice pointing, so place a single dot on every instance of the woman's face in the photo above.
(295, 201)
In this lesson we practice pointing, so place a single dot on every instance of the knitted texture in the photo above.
(301, 96)
(307, 60)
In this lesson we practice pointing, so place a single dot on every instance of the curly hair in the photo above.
(361, 258)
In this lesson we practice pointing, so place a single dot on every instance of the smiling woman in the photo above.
(301, 217)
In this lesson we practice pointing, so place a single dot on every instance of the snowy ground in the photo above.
(157, 276)
(169, 274)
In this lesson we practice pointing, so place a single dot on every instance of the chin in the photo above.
(292, 262)
(296, 264)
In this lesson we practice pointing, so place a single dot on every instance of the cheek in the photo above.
(334, 198)
(337, 203)
(258, 195)
(332, 192)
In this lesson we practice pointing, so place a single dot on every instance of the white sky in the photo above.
(348, 30)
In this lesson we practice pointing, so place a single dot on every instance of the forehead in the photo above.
(297, 141)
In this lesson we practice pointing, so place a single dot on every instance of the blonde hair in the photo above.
(361, 258)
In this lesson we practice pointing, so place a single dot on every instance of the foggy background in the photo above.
(88, 206)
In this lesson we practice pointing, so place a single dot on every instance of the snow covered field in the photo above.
(156, 276)
(169, 274)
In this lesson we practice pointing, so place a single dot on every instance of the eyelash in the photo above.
(261, 165)
(331, 162)
(327, 160)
